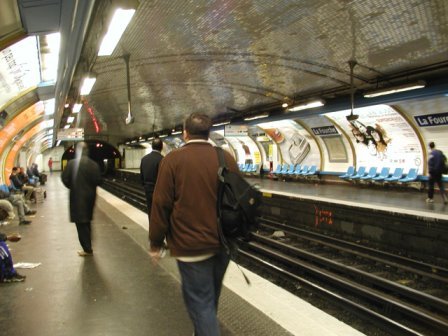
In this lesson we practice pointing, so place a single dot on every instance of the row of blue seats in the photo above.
(384, 176)
(291, 170)
(249, 168)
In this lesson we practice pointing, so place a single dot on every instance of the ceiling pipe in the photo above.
(129, 118)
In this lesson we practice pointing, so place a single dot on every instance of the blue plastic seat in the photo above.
(255, 169)
(290, 170)
(278, 169)
(350, 172)
(246, 167)
(361, 172)
(303, 171)
(410, 177)
(298, 169)
(398, 174)
(285, 168)
(370, 175)
(311, 171)
(384, 173)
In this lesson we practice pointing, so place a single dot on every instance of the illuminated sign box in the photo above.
(71, 134)
(235, 130)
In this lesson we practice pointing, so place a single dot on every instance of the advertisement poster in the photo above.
(294, 142)
(382, 138)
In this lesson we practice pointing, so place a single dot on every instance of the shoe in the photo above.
(429, 200)
(84, 253)
(24, 222)
(15, 278)
(30, 212)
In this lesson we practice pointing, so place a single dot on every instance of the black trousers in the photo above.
(149, 190)
(433, 179)
(84, 236)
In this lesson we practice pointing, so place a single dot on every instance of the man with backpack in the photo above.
(436, 167)
(184, 212)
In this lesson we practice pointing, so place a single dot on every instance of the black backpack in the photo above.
(238, 203)
(444, 164)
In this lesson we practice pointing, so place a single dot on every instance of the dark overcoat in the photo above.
(82, 176)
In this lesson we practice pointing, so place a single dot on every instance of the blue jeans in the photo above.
(201, 287)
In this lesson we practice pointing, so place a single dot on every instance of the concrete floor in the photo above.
(116, 292)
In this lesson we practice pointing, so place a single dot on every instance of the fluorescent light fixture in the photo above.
(50, 57)
(150, 138)
(163, 136)
(221, 123)
(66, 126)
(70, 119)
(58, 143)
(142, 140)
(120, 21)
(177, 132)
(133, 141)
(307, 105)
(76, 108)
(257, 117)
(395, 89)
(87, 85)
(285, 105)
(49, 123)
(49, 106)
(50, 131)
(128, 142)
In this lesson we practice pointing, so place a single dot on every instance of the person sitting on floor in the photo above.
(17, 184)
(18, 201)
(7, 271)
(35, 170)
(23, 177)
(7, 207)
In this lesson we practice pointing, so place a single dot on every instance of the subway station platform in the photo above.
(119, 292)
(407, 200)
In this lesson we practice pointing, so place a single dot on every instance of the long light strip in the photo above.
(77, 108)
(120, 21)
(221, 123)
(70, 119)
(307, 105)
(257, 117)
(87, 85)
(395, 89)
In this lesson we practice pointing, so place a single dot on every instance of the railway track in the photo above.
(399, 295)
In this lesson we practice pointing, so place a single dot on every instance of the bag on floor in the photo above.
(238, 203)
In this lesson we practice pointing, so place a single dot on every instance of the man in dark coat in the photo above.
(436, 165)
(82, 175)
(149, 168)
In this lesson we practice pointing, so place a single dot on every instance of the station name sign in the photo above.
(71, 134)
(326, 130)
(439, 119)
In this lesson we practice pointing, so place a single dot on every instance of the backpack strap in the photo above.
(222, 163)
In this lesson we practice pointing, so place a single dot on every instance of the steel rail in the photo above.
(429, 270)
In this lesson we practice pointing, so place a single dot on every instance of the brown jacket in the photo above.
(184, 200)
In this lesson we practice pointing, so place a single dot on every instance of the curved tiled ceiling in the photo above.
(231, 57)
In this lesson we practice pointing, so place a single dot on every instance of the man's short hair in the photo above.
(432, 145)
(198, 126)
(157, 144)
(15, 169)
